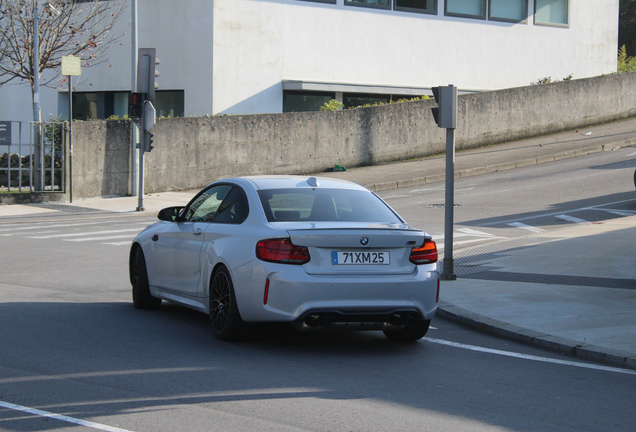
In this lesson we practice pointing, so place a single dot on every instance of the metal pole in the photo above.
(70, 139)
(140, 195)
(133, 88)
(36, 66)
(448, 272)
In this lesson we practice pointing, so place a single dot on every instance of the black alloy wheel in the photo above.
(224, 315)
(142, 299)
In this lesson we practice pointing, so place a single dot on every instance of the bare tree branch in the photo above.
(82, 29)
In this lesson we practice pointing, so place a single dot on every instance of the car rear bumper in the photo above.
(292, 295)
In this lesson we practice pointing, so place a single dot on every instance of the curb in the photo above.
(545, 341)
(502, 166)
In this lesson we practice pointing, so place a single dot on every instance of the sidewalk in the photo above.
(571, 291)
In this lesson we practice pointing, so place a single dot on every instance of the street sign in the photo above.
(71, 66)
(5, 132)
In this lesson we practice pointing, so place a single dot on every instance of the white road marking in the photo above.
(554, 214)
(476, 233)
(529, 357)
(88, 233)
(525, 227)
(623, 213)
(63, 418)
(573, 219)
(124, 243)
(426, 190)
(631, 154)
(129, 236)
(41, 226)
(394, 196)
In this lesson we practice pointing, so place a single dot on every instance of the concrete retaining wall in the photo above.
(192, 152)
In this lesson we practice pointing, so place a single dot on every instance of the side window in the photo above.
(234, 208)
(205, 206)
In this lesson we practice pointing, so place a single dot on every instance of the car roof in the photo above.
(291, 182)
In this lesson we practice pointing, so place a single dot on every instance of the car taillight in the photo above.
(427, 254)
(281, 251)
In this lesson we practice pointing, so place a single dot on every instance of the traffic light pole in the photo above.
(448, 272)
(140, 181)
(445, 116)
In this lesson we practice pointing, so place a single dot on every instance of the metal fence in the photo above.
(32, 157)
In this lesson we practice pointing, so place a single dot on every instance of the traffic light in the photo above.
(445, 114)
(135, 106)
(149, 141)
(147, 72)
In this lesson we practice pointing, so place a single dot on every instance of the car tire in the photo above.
(142, 299)
(412, 332)
(224, 314)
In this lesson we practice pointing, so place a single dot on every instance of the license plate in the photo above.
(360, 258)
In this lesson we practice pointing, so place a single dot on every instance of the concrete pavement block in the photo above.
(526, 162)
(602, 355)
(502, 167)
(545, 159)
(556, 344)
(472, 172)
(435, 178)
(411, 182)
(630, 362)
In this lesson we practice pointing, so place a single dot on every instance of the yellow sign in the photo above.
(71, 65)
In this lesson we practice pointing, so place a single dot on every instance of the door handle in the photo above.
(197, 232)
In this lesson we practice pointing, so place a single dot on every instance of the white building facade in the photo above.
(272, 56)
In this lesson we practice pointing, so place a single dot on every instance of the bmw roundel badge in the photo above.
(364, 241)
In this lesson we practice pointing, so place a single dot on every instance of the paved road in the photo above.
(515, 203)
(72, 344)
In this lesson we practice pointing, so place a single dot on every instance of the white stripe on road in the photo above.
(124, 243)
(525, 227)
(529, 357)
(88, 233)
(129, 236)
(573, 219)
(61, 417)
(624, 213)
(41, 226)
(554, 214)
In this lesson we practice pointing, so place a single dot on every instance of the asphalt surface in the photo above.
(572, 291)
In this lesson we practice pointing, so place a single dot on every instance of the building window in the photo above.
(423, 6)
(508, 10)
(352, 100)
(553, 12)
(382, 4)
(102, 105)
(298, 101)
(466, 8)
(169, 103)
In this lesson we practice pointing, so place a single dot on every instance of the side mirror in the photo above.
(169, 214)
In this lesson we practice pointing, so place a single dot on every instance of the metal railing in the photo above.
(32, 157)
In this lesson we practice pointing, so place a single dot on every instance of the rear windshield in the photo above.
(325, 205)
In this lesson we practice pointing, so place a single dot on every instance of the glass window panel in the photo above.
(513, 10)
(203, 208)
(84, 106)
(466, 7)
(356, 100)
(423, 5)
(318, 204)
(551, 11)
(376, 3)
(298, 101)
(169, 103)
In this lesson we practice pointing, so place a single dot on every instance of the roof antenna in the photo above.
(311, 181)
